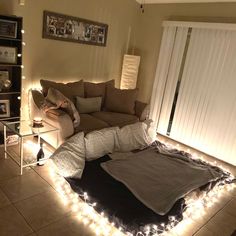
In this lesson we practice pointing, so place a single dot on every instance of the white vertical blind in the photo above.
(171, 52)
(205, 112)
(206, 107)
(172, 78)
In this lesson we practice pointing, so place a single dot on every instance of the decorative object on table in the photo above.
(8, 55)
(37, 122)
(5, 82)
(40, 155)
(8, 28)
(12, 140)
(129, 71)
(74, 29)
(4, 108)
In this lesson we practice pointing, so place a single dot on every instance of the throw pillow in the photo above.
(55, 100)
(70, 90)
(69, 158)
(88, 105)
(121, 100)
(101, 142)
(132, 137)
(97, 89)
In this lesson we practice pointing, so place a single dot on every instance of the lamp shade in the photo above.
(129, 71)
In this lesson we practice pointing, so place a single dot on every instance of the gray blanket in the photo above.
(159, 180)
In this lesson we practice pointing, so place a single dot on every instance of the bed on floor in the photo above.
(146, 187)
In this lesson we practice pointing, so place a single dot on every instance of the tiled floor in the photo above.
(30, 205)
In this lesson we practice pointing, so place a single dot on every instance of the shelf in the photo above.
(11, 102)
(9, 118)
(11, 39)
(8, 93)
(13, 65)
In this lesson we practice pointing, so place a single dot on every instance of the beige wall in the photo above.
(150, 32)
(66, 61)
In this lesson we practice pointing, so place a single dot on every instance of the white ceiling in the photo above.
(181, 1)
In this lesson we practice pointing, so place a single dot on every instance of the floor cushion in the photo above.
(89, 123)
(115, 119)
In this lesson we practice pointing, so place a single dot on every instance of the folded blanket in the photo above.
(159, 180)
(55, 100)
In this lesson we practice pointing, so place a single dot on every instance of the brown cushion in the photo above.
(115, 119)
(97, 90)
(121, 100)
(70, 90)
(89, 123)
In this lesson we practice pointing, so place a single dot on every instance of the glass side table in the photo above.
(24, 129)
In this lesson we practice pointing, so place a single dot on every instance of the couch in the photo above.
(118, 108)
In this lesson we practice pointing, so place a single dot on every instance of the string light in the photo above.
(100, 225)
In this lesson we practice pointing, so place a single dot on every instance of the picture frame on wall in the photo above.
(5, 80)
(4, 108)
(8, 28)
(73, 29)
(8, 55)
(4, 75)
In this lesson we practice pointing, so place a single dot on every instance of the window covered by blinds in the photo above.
(198, 101)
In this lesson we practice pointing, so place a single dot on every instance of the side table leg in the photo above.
(21, 155)
(5, 141)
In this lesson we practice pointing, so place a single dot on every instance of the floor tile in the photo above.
(223, 224)
(231, 208)
(204, 232)
(42, 209)
(4, 201)
(12, 223)
(8, 169)
(69, 226)
(45, 172)
(22, 187)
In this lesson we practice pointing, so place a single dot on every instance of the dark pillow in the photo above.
(97, 89)
(121, 100)
(70, 90)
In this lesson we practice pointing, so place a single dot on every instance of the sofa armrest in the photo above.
(57, 118)
(141, 110)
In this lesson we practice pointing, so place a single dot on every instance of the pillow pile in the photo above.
(69, 158)
(114, 139)
(132, 137)
(101, 142)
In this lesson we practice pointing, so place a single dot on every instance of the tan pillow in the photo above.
(70, 90)
(88, 105)
(55, 100)
(121, 100)
(97, 90)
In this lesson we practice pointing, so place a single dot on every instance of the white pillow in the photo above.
(101, 142)
(133, 137)
(69, 158)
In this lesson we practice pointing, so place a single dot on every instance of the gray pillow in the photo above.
(88, 105)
